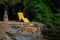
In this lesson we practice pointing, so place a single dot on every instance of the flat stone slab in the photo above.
(20, 30)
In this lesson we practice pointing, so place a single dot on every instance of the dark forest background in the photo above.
(46, 11)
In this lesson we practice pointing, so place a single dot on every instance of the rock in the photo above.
(11, 31)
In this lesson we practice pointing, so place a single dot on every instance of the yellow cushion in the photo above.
(25, 20)
(20, 15)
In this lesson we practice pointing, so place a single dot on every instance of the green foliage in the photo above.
(39, 11)
(57, 19)
(1, 1)
(55, 8)
(14, 2)
(10, 2)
